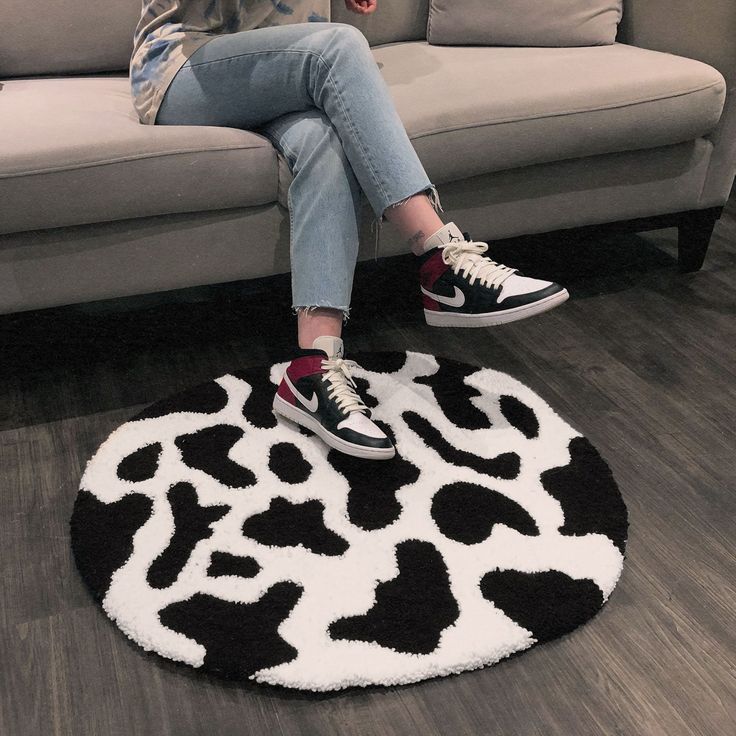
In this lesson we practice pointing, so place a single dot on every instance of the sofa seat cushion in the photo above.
(75, 145)
(474, 110)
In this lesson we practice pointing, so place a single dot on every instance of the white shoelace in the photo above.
(342, 384)
(467, 255)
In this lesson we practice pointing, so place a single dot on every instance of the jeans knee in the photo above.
(348, 34)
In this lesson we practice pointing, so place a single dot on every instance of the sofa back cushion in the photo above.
(523, 22)
(394, 20)
(68, 37)
(78, 37)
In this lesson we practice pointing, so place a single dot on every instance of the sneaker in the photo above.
(463, 288)
(318, 392)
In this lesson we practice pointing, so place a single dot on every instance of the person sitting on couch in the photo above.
(281, 68)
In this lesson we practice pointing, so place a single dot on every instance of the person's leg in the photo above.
(266, 80)
(311, 323)
(324, 201)
(247, 78)
(416, 219)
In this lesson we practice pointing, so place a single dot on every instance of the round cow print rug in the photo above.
(224, 538)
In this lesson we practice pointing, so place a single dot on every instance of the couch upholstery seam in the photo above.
(105, 162)
(629, 103)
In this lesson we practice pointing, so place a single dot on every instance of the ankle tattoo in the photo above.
(416, 241)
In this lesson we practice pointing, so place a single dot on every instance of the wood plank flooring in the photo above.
(640, 360)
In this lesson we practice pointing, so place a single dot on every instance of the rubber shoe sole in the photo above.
(287, 410)
(487, 319)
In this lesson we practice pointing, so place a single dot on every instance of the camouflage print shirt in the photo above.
(170, 31)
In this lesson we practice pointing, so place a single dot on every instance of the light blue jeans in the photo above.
(315, 91)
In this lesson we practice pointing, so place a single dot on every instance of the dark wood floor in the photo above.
(640, 360)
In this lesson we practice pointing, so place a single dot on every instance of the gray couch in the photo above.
(94, 204)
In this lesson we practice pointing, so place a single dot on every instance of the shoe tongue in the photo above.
(448, 233)
(331, 345)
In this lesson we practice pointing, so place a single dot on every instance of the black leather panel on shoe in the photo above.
(422, 258)
(328, 413)
(302, 352)
(520, 300)
(350, 435)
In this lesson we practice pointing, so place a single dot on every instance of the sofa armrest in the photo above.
(700, 29)
(704, 30)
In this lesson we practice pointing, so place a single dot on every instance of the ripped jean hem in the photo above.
(430, 191)
(300, 308)
(434, 199)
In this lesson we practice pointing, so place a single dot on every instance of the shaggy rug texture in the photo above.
(240, 544)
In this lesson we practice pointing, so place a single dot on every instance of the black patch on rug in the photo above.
(287, 524)
(102, 535)
(239, 638)
(467, 513)
(207, 450)
(258, 406)
(287, 463)
(548, 604)
(223, 563)
(520, 416)
(411, 610)
(588, 494)
(206, 398)
(380, 362)
(372, 502)
(364, 391)
(140, 465)
(191, 525)
(506, 465)
(453, 395)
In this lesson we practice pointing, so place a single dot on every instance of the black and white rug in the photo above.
(220, 537)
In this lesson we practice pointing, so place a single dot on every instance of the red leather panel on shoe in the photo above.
(304, 366)
(285, 393)
(429, 303)
(432, 269)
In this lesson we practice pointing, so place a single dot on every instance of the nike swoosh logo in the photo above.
(311, 404)
(452, 301)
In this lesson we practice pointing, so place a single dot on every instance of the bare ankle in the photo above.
(313, 322)
(416, 242)
(416, 220)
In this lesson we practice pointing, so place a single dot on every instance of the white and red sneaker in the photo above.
(318, 392)
(463, 288)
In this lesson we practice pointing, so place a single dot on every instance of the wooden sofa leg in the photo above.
(693, 237)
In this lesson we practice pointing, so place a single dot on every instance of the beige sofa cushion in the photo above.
(522, 106)
(69, 37)
(79, 149)
(523, 22)
(41, 37)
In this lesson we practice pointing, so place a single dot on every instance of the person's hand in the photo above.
(361, 7)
